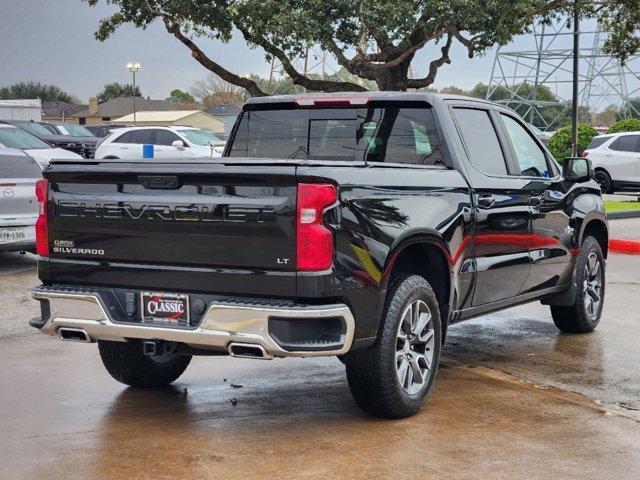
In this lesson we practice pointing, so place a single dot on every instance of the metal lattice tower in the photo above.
(518, 76)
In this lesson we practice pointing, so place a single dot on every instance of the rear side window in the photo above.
(380, 133)
(481, 140)
(596, 142)
(626, 143)
(400, 135)
(15, 166)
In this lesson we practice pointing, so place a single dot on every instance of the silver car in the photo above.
(18, 204)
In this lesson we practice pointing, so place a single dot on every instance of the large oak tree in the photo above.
(374, 40)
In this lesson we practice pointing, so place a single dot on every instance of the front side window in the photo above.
(530, 157)
(626, 143)
(481, 140)
(596, 142)
(165, 137)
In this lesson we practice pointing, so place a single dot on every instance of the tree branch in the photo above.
(433, 67)
(297, 77)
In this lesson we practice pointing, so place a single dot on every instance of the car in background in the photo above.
(616, 160)
(18, 202)
(81, 141)
(101, 131)
(168, 142)
(13, 137)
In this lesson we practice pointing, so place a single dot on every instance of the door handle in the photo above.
(486, 200)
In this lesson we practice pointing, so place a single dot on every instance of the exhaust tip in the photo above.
(73, 335)
(248, 350)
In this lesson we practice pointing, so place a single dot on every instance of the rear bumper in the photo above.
(223, 324)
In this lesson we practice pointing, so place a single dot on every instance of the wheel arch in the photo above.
(425, 254)
(596, 227)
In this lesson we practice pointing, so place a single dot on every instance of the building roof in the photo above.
(118, 107)
(224, 109)
(61, 109)
(159, 116)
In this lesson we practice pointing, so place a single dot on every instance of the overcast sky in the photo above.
(52, 41)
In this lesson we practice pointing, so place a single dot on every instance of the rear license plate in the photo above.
(13, 234)
(171, 308)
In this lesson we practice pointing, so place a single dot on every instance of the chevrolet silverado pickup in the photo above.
(357, 225)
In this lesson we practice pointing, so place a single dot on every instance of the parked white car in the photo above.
(41, 151)
(168, 142)
(18, 203)
(616, 160)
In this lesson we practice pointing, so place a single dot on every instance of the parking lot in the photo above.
(514, 399)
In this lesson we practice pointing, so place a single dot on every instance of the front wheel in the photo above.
(393, 378)
(584, 315)
(126, 363)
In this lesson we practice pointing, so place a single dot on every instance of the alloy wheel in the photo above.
(592, 286)
(414, 347)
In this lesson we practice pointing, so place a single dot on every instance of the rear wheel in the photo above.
(393, 378)
(126, 363)
(603, 179)
(584, 315)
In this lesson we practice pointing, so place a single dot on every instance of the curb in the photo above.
(624, 246)
(623, 214)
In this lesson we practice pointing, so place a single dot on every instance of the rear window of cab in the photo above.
(382, 132)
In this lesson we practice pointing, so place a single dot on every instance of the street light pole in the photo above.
(576, 66)
(133, 68)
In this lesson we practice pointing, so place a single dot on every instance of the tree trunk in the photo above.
(394, 78)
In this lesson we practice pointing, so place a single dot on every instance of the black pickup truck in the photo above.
(355, 225)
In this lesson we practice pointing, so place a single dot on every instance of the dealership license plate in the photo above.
(12, 234)
(171, 308)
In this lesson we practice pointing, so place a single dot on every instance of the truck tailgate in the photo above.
(217, 222)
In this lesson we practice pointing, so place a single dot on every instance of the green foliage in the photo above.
(116, 90)
(180, 96)
(27, 90)
(560, 142)
(374, 40)
(625, 125)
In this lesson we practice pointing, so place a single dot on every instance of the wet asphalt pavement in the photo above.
(515, 398)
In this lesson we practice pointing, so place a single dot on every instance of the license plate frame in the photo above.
(166, 308)
(9, 235)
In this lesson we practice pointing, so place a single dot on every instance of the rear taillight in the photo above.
(42, 236)
(584, 153)
(314, 241)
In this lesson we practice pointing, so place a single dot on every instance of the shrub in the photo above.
(625, 125)
(560, 142)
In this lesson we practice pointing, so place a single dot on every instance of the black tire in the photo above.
(603, 179)
(126, 363)
(374, 373)
(577, 318)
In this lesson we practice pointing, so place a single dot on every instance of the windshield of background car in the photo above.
(13, 137)
(383, 132)
(200, 137)
(74, 130)
(36, 129)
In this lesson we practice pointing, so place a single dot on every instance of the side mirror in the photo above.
(177, 144)
(577, 169)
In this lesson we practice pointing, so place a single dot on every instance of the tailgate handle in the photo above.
(159, 182)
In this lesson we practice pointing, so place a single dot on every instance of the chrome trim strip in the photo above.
(221, 324)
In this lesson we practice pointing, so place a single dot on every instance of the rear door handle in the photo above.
(486, 200)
